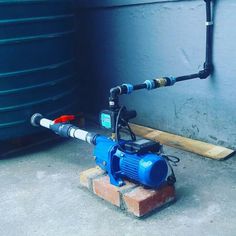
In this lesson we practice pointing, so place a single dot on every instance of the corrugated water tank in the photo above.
(37, 63)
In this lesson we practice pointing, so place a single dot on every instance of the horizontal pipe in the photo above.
(63, 129)
(45, 123)
(187, 77)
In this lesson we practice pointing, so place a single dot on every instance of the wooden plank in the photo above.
(187, 144)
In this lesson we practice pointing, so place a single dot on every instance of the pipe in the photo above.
(64, 129)
(209, 37)
(169, 81)
(208, 64)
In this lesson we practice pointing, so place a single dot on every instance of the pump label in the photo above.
(106, 120)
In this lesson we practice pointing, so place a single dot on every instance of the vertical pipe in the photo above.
(209, 33)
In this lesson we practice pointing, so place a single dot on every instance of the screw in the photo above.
(104, 163)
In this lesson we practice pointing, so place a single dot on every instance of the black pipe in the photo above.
(139, 86)
(209, 37)
(208, 64)
(187, 77)
(168, 81)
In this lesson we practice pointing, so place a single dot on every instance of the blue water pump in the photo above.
(137, 160)
(141, 166)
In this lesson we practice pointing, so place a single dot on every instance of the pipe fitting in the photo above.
(171, 81)
(35, 119)
(161, 82)
(114, 92)
(150, 84)
(208, 70)
(129, 88)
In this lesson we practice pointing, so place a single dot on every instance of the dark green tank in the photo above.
(37, 63)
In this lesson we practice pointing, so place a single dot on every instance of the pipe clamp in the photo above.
(172, 81)
(150, 84)
(129, 87)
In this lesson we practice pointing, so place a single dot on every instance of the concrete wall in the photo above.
(132, 43)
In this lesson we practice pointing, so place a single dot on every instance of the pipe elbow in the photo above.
(114, 92)
(203, 74)
(207, 71)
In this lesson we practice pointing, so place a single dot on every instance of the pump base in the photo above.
(131, 198)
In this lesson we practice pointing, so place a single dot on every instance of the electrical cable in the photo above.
(171, 179)
(126, 125)
(128, 128)
(173, 159)
(117, 136)
(132, 134)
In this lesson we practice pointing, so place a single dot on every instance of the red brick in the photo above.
(130, 197)
(87, 176)
(141, 201)
(109, 192)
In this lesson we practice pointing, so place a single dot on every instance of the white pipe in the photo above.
(73, 131)
(81, 134)
(46, 123)
(78, 133)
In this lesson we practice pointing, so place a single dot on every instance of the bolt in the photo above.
(104, 163)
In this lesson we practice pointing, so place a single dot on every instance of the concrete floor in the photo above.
(40, 195)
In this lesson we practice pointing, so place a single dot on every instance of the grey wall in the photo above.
(133, 43)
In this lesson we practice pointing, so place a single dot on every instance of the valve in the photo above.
(64, 119)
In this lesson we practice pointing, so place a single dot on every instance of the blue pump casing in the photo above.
(148, 168)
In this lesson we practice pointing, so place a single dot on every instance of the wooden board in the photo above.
(187, 144)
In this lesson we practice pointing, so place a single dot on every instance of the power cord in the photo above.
(171, 161)
(126, 126)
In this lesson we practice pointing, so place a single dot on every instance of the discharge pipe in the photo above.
(169, 81)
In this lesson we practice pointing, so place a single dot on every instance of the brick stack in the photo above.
(131, 197)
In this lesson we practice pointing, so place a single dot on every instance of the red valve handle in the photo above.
(64, 119)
